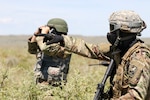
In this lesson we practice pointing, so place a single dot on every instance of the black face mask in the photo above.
(124, 41)
(111, 37)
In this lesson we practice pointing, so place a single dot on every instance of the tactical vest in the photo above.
(119, 79)
(54, 69)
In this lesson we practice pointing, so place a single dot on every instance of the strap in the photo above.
(119, 74)
(133, 49)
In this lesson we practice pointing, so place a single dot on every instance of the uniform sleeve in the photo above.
(52, 50)
(32, 47)
(40, 43)
(139, 76)
(80, 47)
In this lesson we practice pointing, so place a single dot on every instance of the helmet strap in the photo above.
(118, 38)
(116, 43)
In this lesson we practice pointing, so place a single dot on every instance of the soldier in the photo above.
(131, 76)
(52, 61)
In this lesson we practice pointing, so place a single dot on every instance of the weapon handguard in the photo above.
(100, 88)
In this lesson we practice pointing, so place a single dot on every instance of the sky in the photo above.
(84, 17)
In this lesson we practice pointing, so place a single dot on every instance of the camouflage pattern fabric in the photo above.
(32, 47)
(128, 21)
(53, 63)
(51, 50)
(80, 47)
(135, 64)
(55, 69)
(136, 72)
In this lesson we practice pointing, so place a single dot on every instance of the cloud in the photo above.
(6, 20)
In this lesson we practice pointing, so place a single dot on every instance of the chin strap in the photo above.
(117, 41)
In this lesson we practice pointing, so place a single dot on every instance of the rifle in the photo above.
(99, 95)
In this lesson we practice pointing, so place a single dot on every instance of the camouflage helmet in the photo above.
(127, 21)
(59, 24)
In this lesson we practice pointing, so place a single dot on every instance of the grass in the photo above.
(17, 77)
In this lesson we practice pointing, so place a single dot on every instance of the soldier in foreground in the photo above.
(131, 75)
(52, 61)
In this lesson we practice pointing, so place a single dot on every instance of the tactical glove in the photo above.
(50, 39)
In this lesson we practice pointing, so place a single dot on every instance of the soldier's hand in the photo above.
(45, 29)
(54, 39)
(42, 29)
(48, 37)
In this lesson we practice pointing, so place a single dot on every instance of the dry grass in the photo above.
(17, 79)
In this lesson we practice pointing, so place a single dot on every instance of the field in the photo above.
(17, 77)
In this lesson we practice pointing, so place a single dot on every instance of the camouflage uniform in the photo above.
(132, 79)
(54, 63)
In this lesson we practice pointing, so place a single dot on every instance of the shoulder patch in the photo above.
(134, 70)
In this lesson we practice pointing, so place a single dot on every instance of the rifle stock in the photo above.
(99, 95)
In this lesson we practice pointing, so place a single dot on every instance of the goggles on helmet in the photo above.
(129, 25)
